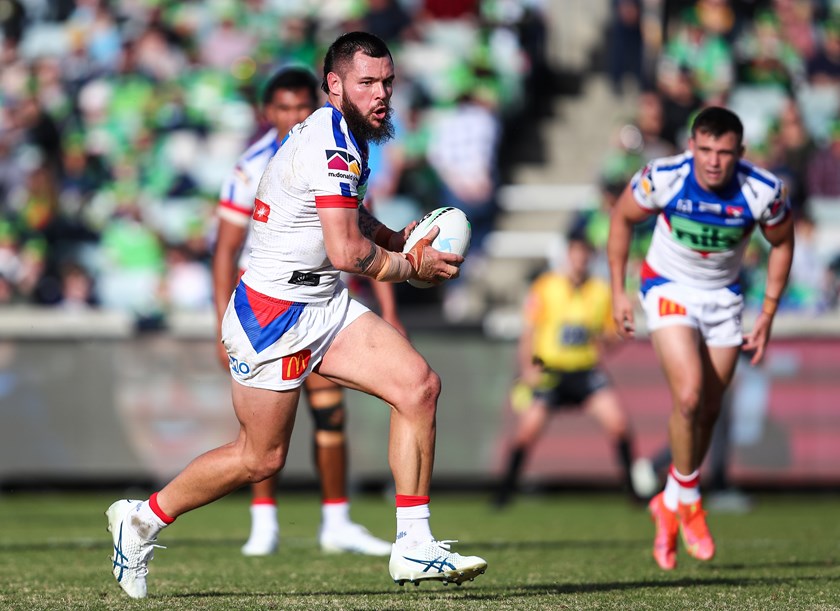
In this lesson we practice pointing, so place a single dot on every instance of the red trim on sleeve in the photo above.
(229, 205)
(336, 201)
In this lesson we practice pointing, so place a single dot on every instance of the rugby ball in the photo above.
(454, 236)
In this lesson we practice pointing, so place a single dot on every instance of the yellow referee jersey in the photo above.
(567, 321)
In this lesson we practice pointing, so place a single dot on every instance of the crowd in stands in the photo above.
(120, 119)
(777, 64)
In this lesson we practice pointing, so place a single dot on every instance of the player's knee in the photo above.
(688, 403)
(260, 467)
(421, 397)
(329, 418)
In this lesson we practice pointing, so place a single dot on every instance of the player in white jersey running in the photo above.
(708, 201)
(291, 314)
(288, 98)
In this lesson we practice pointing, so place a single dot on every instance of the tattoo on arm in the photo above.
(363, 264)
(367, 223)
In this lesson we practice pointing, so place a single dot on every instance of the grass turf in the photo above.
(552, 552)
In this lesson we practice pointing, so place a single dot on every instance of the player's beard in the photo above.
(361, 127)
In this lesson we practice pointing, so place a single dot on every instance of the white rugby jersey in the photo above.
(700, 236)
(319, 165)
(236, 200)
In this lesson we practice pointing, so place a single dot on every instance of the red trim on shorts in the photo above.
(153, 504)
(647, 272)
(264, 500)
(336, 201)
(691, 482)
(337, 501)
(407, 500)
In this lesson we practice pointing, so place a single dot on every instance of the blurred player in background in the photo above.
(291, 314)
(288, 98)
(708, 201)
(568, 320)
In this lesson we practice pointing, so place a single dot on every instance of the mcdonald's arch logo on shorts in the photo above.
(295, 364)
(670, 308)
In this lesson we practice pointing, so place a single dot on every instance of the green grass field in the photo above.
(549, 552)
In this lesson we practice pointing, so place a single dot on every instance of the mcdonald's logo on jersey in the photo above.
(295, 364)
(670, 308)
(343, 161)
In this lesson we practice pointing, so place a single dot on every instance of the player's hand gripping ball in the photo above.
(454, 236)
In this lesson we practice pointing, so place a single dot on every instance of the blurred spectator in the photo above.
(188, 283)
(717, 17)
(823, 68)
(462, 150)
(225, 44)
(386, 19)
(705, 53)
(824, 166)
(11, 173)
(132, 274)
(791, 148)
(650, 124)
(12, 20)
(764, 57)
(797, 25)
(679, 103)
(625, 44)
(76, 288)
(810, 282)
(39, 131)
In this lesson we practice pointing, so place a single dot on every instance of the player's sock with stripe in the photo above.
(681, 489)
(412, 521)
(264, 516)
(152, 519)
(335, 513)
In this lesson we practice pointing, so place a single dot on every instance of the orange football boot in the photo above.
(667, 527)
(695, 532)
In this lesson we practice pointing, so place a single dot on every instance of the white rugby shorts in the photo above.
(275, 344)
(715, 313)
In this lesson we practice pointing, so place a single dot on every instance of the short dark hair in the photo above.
(291, 78)
(578, 235)
(345, 47)
(717, 121)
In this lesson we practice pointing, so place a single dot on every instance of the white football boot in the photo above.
(261, 543)
(131, 552)
(353, 538)
(434, 562)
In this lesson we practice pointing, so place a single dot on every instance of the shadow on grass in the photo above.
(304, 542)
(493, 593)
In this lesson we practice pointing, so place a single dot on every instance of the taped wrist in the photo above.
(424, 268)
(388, 266)
(770, 305)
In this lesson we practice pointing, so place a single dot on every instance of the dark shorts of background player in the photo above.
(570, 389)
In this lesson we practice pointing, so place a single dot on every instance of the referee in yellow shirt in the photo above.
(568, 319)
